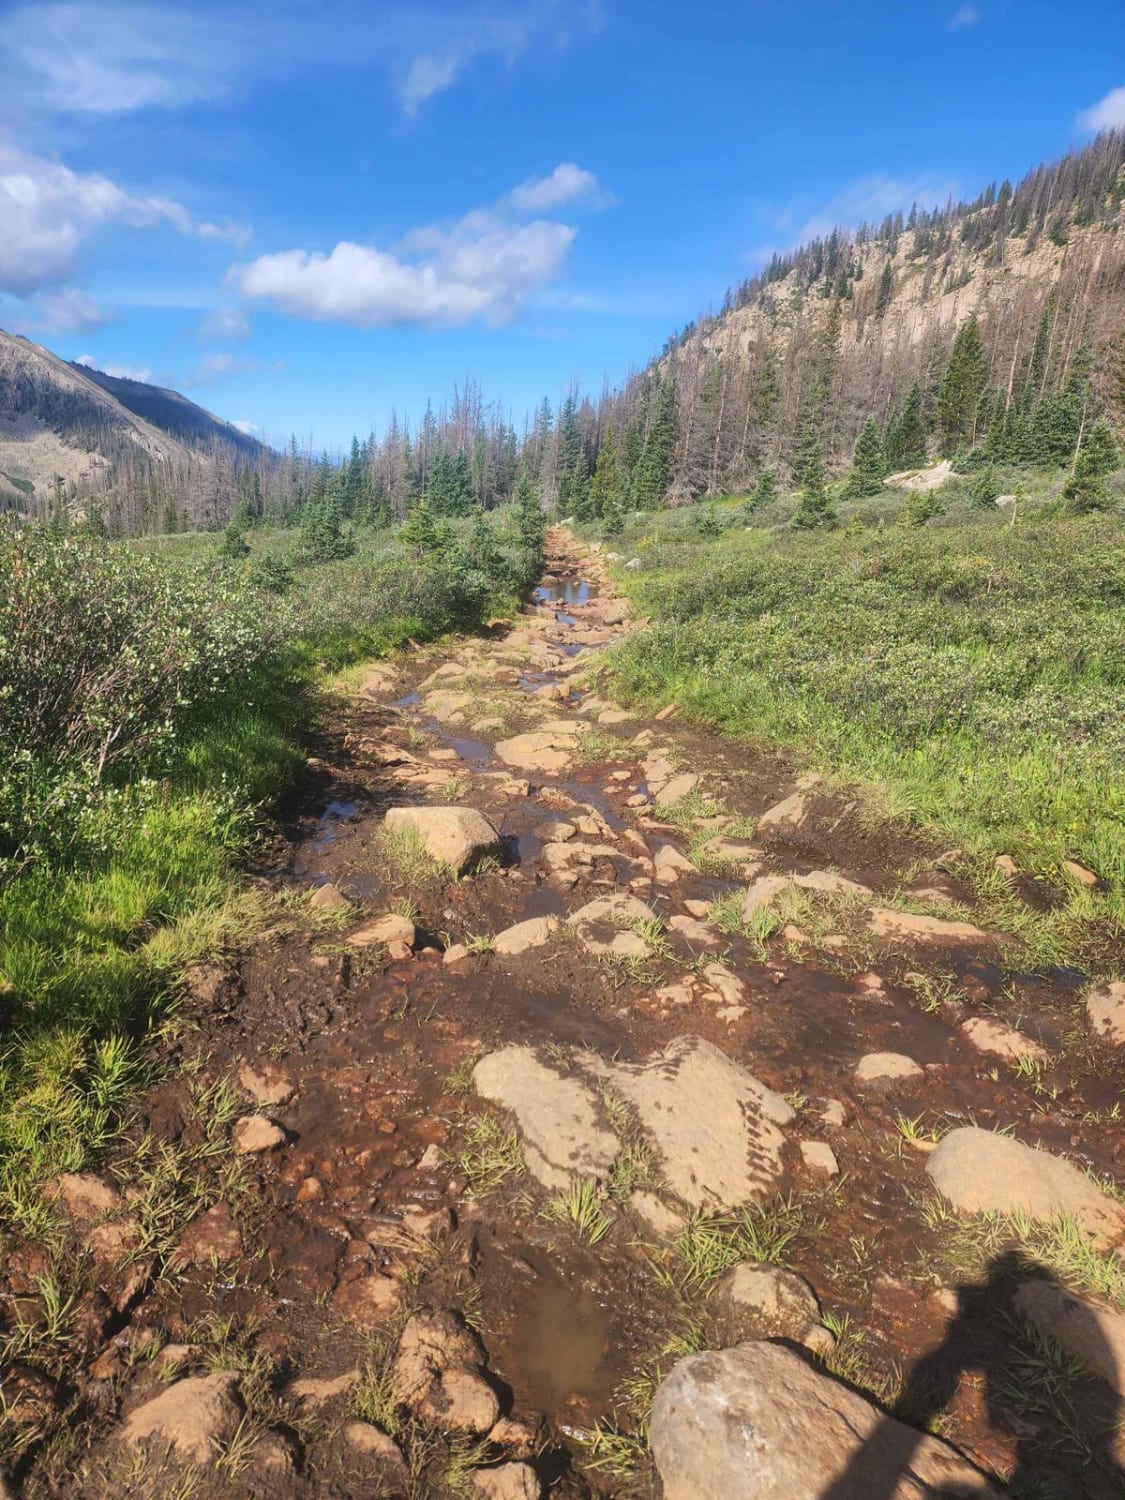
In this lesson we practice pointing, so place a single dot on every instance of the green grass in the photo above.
(973, 673)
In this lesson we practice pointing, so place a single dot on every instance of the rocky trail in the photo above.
(595, 1081)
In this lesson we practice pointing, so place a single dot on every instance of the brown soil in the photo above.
(378, 1051)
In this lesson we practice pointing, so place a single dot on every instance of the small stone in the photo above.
(274, 1457)
(785, 817)
(671, 865)
(194, 1417)
(265, 1084)
(327, 898)
(1105, 1012)
(316, 1392)
(554, 833)
(534, 933)
(368, 1301)
(833, 1115)
(699, 934)
(655, 1214)
(677, 789)
(437, 1372)
(880, 1067)
(455, 953)
(385, 930)
(1080, 874)
(374, 1443)
(871, 984)
(83, 1195)
(1006, 865)
(638, 799)
(886, 923)
(254, 1134)
(766, 1300)
(432, 1159)
(700, 909)
(512, 1481)
(211, 1237)
(819, 1157)
(455, 836)
(725, 981)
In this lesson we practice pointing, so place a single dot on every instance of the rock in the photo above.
(729, 851)
(255, 1133)
(266, 1084)
(883, 1067)
(543, 751)
(700, 909)
(1105, 1012)
(212, 1237)
(757, 1423)
(785, 817)
(724, 982)
(763, 893)
(83, 1195)
(602, 925)
(327, 898)
(368, 1301)
(372, 1442)
(1090, 1332)
(885, 923)
(554, 833)
(833, 1115)
(681, 993)
(763, 1301)
(559, 1118)
(664, 1222)
(830, 883)
(698, 934)
(1080, 874)
(987, 1034)
(455, 836)
(526, 935)
(671, 865)
(194, 1417)
(979, 1171)
(318, 1391)
(614, 614)
(614, 716)
(507, 1482)
(1006, 865)
(713, 1124)
(274, 1458)
(437, 1373)
(521, 1439)
(820, 1157)
(384, 930)
(677, 789)
(455, 953)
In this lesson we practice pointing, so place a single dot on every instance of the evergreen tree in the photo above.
(886, 291)
(905, 444)
(984, 490)
(569, 455)
(323, 535)
(605, 487)
(868, 463)
(233, 546)
(420, 530)
(1086, 489)
(650, 480)
(814, 509)
(959, 398)
(765, 490)
(528, 515)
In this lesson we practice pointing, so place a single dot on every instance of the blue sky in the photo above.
(307, 214)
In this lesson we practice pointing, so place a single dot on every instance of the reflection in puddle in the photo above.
(474, 750)
(562, 591)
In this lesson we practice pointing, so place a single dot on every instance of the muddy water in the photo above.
(564, 591)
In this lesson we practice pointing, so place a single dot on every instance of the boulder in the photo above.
(757, 1423)
(542, 751)
(885, 1067)
(1105, 1012)
(996, 1039)
(454, 836)
(374, 1443)
(979, 1171)
(1090, 1332)
(316, 1391)
(194, 1417)
(526, 935)
(559, 1118)
(713, 1125)
(437, 1371)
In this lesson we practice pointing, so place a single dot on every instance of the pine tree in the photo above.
(528, 516)
(1086, 489)
(650, 481)
(605, 487)
(959, 399)
(905, 444)
(233, 546)
(323, 536)
(765, 490)
(420, 531)
(886, 291)
(814, 509)
(868, 462)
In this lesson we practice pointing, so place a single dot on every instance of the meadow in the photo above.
(968, 668)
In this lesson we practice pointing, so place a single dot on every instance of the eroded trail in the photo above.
(514, 1143)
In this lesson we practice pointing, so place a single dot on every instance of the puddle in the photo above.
(568, 648)
(471, 750)
(563, 591)
(358, 887)
(408, 702)
(561, 1340)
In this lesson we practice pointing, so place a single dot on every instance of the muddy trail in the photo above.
(578, 1042)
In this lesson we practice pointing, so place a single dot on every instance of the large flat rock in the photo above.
(454, 836)
(558, 1117)
(979, 1171)
(757, 1423)
(715, 1127)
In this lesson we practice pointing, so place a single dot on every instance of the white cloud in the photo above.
(968, 15)
(485, 266)
(566, 184)
(1107, 114)
(47, 210)
(431, 74)
(247, 428)
(213, 368)
(67, 310)
(226, 325)
(118, 372)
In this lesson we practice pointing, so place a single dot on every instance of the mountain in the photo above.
(145, 457)
(849, 325)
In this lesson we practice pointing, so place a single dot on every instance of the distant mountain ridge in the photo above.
(75, 438)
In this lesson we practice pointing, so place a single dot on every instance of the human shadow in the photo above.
(1055, 1406)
